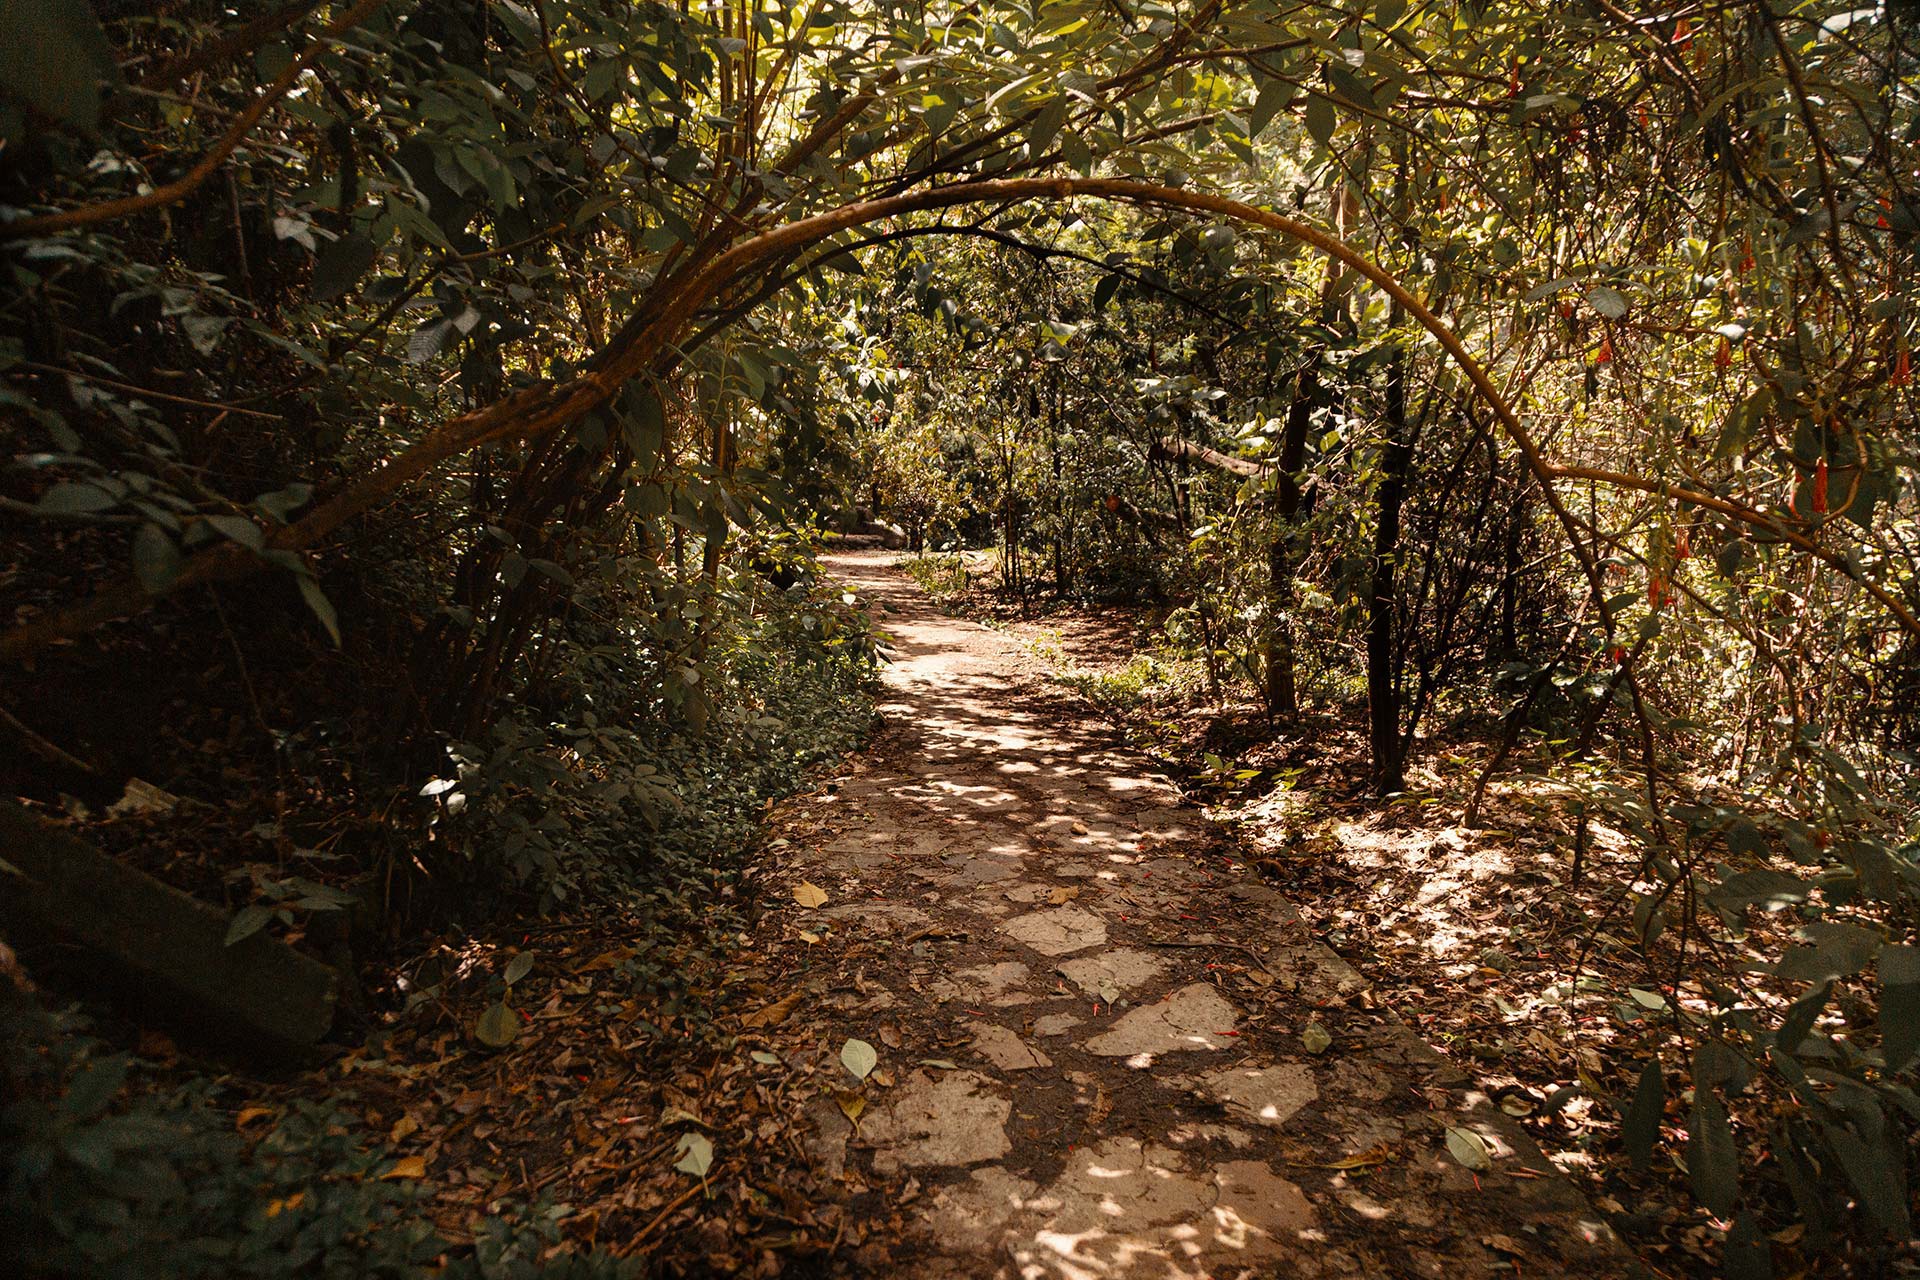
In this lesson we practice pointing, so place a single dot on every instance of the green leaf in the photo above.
(1608, 301)
(1713, 1162)
(156, 558)
(247, 922)
(55, 56)
(1640, 1127)
(1800, 1017)
(498, 1027)
(75, 498)
(340, 266)
(1321, 120)
(239, 529)
(322, 607)
(1837, 951)
(1899, 1005)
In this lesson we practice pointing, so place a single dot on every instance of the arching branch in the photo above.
(536, 411)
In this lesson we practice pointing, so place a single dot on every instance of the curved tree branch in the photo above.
(538, 410)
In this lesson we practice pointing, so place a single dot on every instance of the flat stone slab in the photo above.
(993, 984)
(1131, 1211)
(1006, 1050)
(1109, 975)
(1264, 1095)
(1059, 932)
(1055, 1024)
(952, 1121)
(1193, 1018)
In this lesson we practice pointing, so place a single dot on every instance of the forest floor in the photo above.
(1069, 1030)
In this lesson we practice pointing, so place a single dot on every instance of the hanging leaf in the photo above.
(1899, 1005)
(340, 266)
(498, 1026)
(859, 1057)
(1713, 1162)
(696, 1154)
(1640, 1128)
(1608, 301)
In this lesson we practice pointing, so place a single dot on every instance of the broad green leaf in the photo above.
(1713, 1161)
(248, 921)
(1640, 1127)
(340, 266)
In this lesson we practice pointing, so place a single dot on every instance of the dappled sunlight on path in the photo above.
(1109, 1051)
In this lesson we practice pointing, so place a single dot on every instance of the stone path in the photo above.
(1108, 1050)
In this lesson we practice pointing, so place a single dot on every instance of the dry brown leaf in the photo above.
(249, 1114)
(411, 1167)
(402, 1128)
(852, 1104)
(1379, 1153)
(808, 894)
(774, 1014)
(1062, 895)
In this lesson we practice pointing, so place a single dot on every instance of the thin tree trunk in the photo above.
(1383, 602)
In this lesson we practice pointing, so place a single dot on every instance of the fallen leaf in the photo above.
(809, 937)
(1379, 1153)
(679, 1115)
(517, 967)
(696, 1155)
(1469, 1148)
(764, 1058)
(941, 1064)
(1063, 895)
(410, 1167)
(498, 1026)
(249, 1114)
(403, 1128)
(774, 1014)
(1505, 1244)
(809, 894)
(277, 1207)
(852, 1104)
(859, 1057)
(1315, 1038)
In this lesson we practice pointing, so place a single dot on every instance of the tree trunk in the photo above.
(1383, 650)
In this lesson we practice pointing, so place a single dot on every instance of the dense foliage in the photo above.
(483, 364)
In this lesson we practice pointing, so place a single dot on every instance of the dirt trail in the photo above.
(1096, 1025)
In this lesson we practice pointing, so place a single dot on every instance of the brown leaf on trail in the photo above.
(809, 894)
(411, 1167)
(402, 1128)
(1063, 895)
(1379, 1153)
(249, 1114)
(774, 1014)
(852, 1104)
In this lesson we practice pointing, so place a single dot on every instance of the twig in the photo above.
(42, 747)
